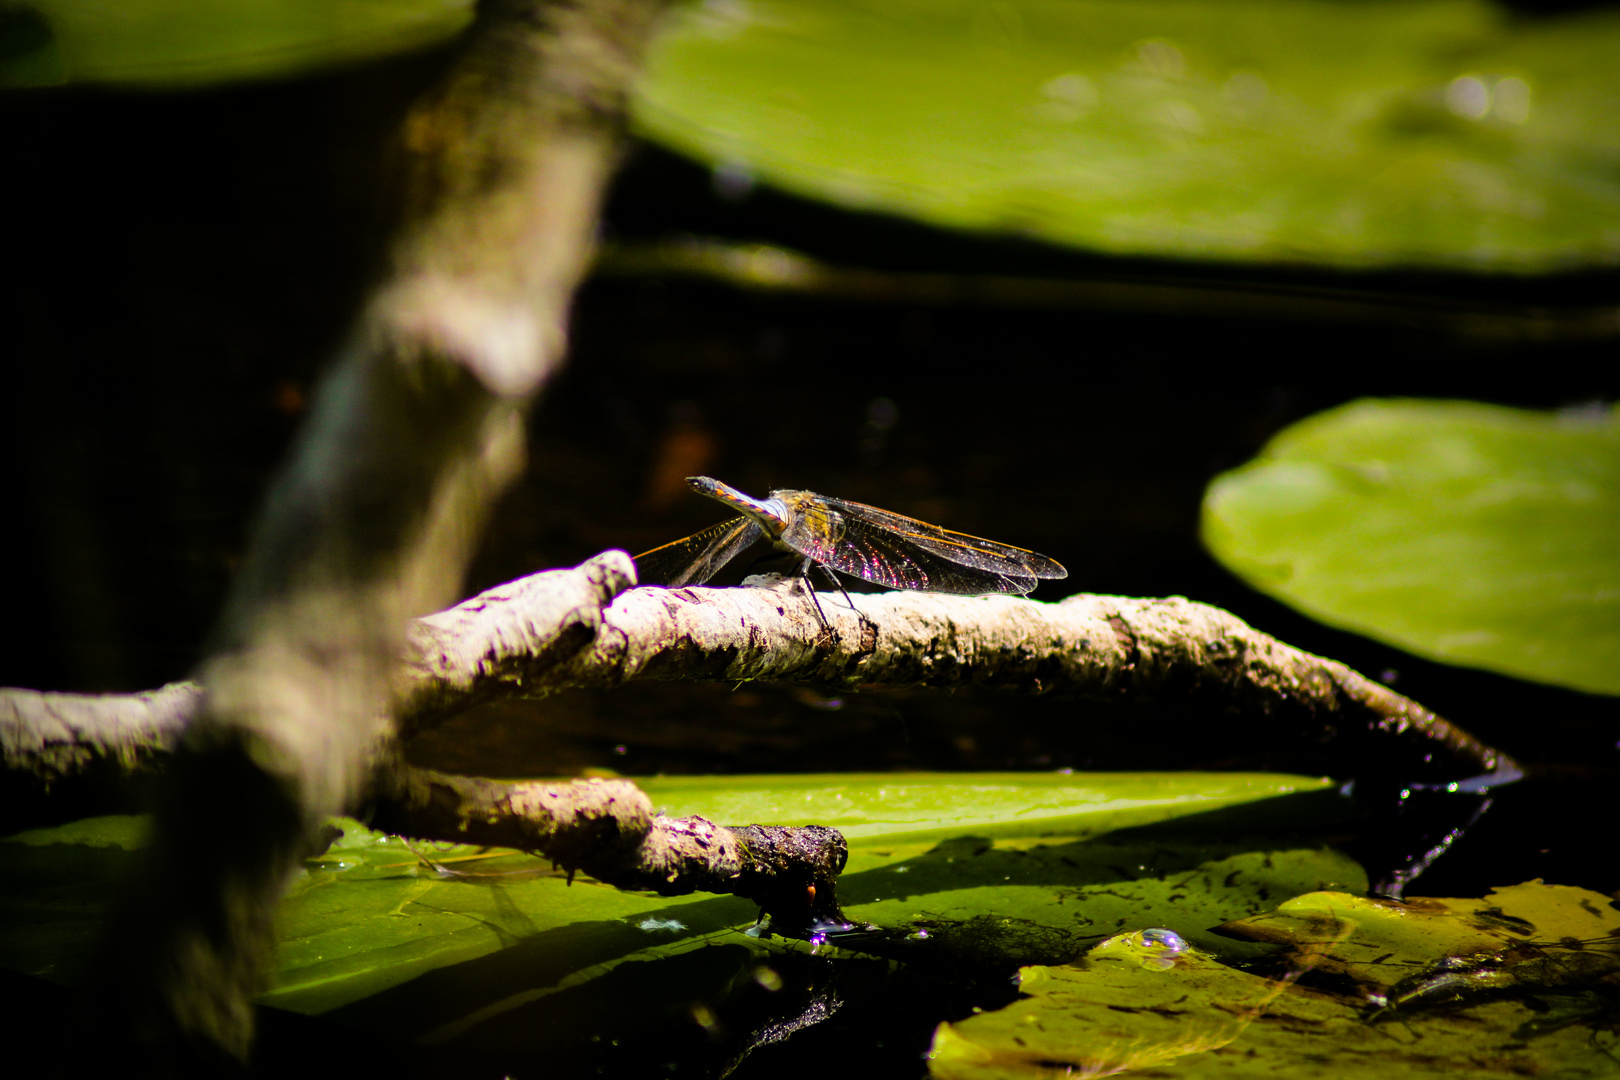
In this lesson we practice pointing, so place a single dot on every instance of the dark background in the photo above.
(183, 265)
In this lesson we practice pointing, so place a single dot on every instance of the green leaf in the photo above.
(1131, 1006)
(180, 42)
(370, 919)
(392, 920)
(1383, 944)
(1388, 132)
(373, 915)
(55, 885)
(883, 809)
(1059, 898)
(1469, 533)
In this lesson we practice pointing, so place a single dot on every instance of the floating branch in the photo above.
(607, 829)
(586, 627)
(531, 638)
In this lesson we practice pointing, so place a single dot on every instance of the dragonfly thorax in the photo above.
(810, 517)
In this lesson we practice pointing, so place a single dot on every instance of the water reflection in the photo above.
(1477, 97)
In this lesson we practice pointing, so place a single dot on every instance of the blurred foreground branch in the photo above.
(412, 437)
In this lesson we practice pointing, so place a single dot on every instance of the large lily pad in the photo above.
(180, 42)
(464, 946)
(1547, 1008)
(1389, 132)
(1436, 132)
(1469, 533)
(1059, 899)
(884, 809)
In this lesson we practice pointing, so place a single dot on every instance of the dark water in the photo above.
(183, 265)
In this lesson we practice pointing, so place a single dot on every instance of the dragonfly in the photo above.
(862, 541)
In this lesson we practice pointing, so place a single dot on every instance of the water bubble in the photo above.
(1179, 116)
(1246, 89)
(1468, 97)
(830, 926)
(1513, 99)
(1067, 98)
(1161, 938)
(1161, 59)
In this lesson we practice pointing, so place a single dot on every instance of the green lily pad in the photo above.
(1391, 132)
(1133, 1005)
(55, 885)
(369, 915)
(1060, 898)
(883, 809)
(376, 917)
(1383, 944)
(1469, 533)
(180, 42)
(382, 912)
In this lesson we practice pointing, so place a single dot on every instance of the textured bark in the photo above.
(518, 642)
(585, 627)
(607, 829)
(49, 739)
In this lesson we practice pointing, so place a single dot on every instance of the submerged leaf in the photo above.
(1125, 1006)
(1384, 944)
(1469, 533)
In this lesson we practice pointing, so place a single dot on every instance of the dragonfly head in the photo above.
(771, 514)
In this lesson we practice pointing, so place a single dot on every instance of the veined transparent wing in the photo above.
(873, 552)
(960, 548)
(698, 557)
(968, 550)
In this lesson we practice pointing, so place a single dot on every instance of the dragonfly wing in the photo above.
(865, 543)
(872, 555)
(698, 557)
(883, 556)
(971, 551)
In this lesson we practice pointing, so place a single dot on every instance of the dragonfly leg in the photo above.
(859, 614)
(804, 578)
(839, 585)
